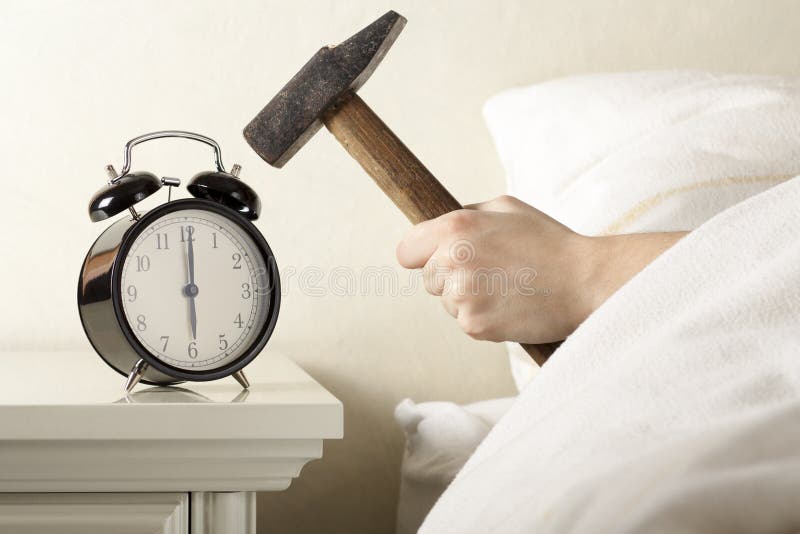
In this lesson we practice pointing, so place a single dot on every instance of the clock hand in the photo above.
(189, 232)
(191, 287)
(193, 317)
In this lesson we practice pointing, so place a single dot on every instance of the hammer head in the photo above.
(295, 113)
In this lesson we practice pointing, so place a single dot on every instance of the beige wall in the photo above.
(80, 78)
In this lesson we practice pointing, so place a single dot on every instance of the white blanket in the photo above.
(674, 408)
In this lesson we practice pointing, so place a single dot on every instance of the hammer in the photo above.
(324, 92)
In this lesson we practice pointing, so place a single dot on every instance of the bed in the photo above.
(673, 408)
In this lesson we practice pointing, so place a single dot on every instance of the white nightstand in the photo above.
(77, 456)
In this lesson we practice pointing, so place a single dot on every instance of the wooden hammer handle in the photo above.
(404, 179)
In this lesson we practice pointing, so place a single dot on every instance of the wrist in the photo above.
(587, 279)
(614, 260)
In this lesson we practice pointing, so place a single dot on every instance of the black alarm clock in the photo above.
(186, 291)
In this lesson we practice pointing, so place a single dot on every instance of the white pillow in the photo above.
(646, 151)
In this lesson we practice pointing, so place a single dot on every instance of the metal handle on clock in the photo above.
(126, 167)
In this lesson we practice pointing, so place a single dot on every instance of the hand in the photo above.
(507, 271)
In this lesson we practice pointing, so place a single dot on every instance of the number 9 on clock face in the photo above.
(195, 289)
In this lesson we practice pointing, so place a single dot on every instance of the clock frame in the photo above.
(101, 310)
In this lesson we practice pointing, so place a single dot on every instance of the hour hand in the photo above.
(190, 292)
(193, 317)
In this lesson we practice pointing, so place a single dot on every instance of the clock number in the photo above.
(223, 343)
(246, 291)
(142, 263)
(237, 260)
(214, 239)
(141, 325)
(192, 349)
(165, 339)
(132, 293)
(159, 237)
(238, 320)
(187, 232)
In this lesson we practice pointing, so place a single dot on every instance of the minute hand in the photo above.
(191, 258)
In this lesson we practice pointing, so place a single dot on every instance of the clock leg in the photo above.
(136, 374)
(239, 376)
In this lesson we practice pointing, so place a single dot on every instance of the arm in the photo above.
(508, 272)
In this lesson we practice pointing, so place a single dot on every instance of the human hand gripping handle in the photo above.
(403, 177)
(507, 271)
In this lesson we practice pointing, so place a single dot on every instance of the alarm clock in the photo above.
(188, 291)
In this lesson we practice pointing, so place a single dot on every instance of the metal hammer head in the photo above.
(295, 113)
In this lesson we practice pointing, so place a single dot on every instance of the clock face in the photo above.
(195, 289)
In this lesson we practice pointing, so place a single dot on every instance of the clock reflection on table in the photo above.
(165, 394)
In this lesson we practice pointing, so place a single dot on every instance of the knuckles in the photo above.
(505, 200)
(460, 222)
(507, 203)
(476, 326)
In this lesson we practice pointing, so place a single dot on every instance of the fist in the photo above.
(504, 270)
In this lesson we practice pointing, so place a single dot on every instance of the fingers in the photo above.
(435, 275)
(422, 241)
(450, 306)
(419, 244)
